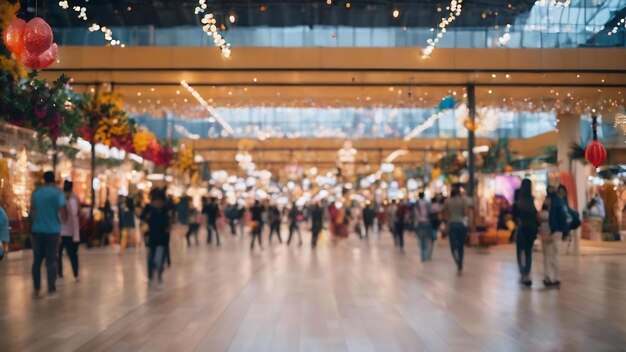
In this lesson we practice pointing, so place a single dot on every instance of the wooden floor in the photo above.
(357, 296)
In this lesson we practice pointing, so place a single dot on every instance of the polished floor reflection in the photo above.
(356, 296)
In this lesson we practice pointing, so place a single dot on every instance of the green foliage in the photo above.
(498, 156)
(52, 109)
(577, 152)
(550, 155)
(452, 163)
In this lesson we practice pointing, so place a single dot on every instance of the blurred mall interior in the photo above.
(388, 136)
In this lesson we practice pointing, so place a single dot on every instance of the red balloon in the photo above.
(595, 153)
(13, 36)
(30, 60)
(49, 56)
(37, 36)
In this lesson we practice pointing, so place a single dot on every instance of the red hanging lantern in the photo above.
(595, 152)
(13, 36)
(37, 36)
(49, 56)
(31, 60)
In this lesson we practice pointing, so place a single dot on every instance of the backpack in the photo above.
(572, 221)
(575, 222)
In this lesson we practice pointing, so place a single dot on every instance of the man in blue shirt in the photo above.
(47, 211)
(4, 233)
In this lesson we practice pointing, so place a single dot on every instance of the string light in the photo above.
(424, 125)
(620, 121)
(209, 26)
(213, 113)
(553, 3)
(621, 23)
(95, 27)
(455, 11)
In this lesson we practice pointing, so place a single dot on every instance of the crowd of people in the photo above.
(56, 225)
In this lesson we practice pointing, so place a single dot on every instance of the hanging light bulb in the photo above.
(232, 17)
(395, 13)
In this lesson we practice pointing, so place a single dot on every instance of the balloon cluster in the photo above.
(32, 42)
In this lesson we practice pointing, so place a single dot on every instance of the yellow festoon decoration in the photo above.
(7, 13)
(111, 127)
(185, 161)
(141, 140)
(111, 122)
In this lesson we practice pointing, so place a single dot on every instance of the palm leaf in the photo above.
(577, 152)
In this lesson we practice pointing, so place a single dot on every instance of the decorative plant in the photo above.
(577, 152)
(549, 155)
(498, 157)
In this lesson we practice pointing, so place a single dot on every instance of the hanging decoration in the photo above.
(445, 104)
(185, 161)
(141, 140)
(32, 43)
(595, 152)
(212, 112)
(95, 27)
(13, 42)
(456, 8)
(209, 26)
(620, 121)
(51, 109)
(107, 123)
(13, 36)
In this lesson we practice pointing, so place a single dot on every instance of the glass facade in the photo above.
(279, 122)
(584, 23)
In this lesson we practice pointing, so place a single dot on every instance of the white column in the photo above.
(569, 132)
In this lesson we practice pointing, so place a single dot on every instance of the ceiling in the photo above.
(359, 13)
(574, 80)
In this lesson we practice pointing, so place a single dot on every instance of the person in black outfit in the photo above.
(399, 224)
(317, 222)
(525, 213)
(294, 216)
(231, 215)
(369, 213)
(256, 212)
(274, 220)
(241, 213)
(212, 211)
(157, 216)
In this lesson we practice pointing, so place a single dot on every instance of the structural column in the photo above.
(568, 132)
(471, 139)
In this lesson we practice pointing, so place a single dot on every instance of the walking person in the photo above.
(127, 223)
(391, 220)
(256, 213)
(194, 225)
(5, 237)
(241, 214)
(295, 216)
(525, 214)
(70, 231)
(456, 210)
(274, 220)
(212, 212)
(157, 215)
(424, 229)
(47, 211)
(231, 216)
(369, 214)
(399, 224)
(552, 236)
(317, 223)
(572, 217)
